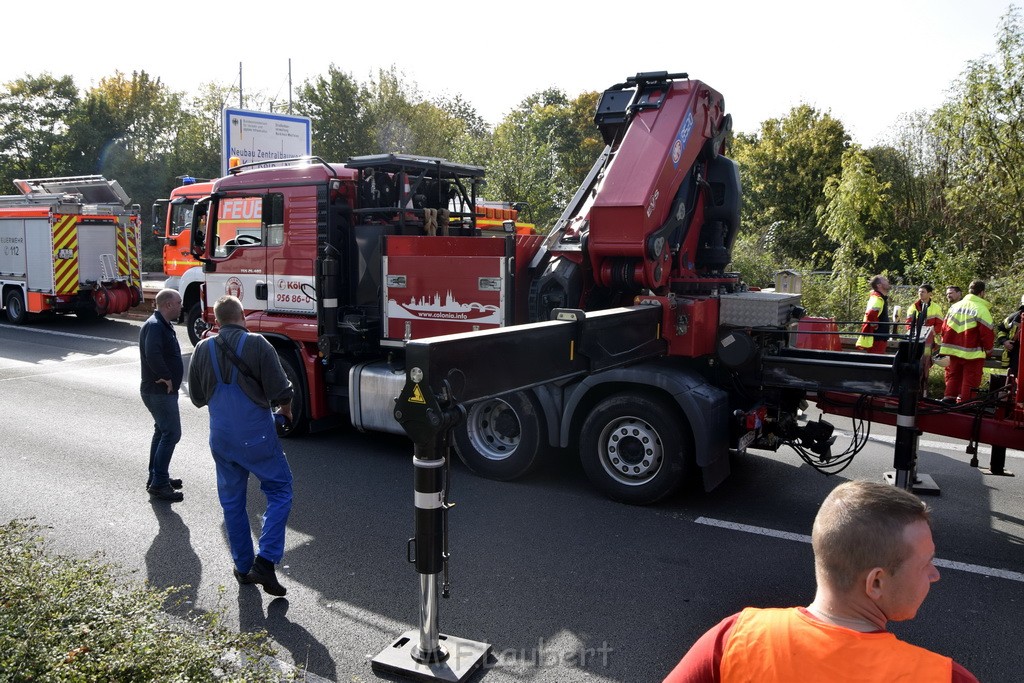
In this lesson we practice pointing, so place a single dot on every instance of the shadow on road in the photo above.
(171, 560)
(305, 650)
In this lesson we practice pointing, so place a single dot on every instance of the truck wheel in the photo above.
(194, 323)
(15, 305)
(300, 420)
(634, 448)
(502, 438)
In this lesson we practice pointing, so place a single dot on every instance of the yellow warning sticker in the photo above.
(417, 395)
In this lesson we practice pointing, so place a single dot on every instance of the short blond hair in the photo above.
(228, 310)
(860, 526)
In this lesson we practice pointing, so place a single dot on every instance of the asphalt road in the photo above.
(567, 585)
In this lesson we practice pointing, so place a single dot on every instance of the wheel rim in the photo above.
(15, 309)
(493, 429)
(199, 326)
(631, 451)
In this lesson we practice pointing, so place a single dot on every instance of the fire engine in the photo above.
(620, 333)
(69, 245)
(172, 220)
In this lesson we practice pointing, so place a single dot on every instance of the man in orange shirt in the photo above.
(873, 554)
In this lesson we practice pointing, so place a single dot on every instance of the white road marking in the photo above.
(77, 336)
(774, 533)
(983, 449)
(753, 529)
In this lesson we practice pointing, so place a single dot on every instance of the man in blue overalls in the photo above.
(240, 377)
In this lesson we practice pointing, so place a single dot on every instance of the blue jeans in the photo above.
(166, 434)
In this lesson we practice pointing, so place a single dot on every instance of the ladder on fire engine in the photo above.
(107, 266)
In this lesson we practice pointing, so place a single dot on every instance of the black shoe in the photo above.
(175, 484)
(241, 578)
(263, 573)
(166, 493)
(949, 400)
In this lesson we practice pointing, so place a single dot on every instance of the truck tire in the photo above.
(300, 419)
(15, 307)
(635, 448)
(194, 323)
(502, 438)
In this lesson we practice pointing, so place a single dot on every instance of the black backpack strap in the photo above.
(236, 360)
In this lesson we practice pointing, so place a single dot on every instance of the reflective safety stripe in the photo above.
(420, 462)
(905, 421)
(429, 501)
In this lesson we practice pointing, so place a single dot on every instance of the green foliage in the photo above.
(784, 168)
(942, 200)
(521, 168)
(748, 260)
(835, 294)
(941, 267)
(856, 213)
(63, 619)
(542, 151)
(981, 133)
(33, 127)
(340, 125)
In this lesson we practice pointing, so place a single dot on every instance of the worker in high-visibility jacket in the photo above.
(875, 331)
(1008, 339)
(931, 310)
(967, 337)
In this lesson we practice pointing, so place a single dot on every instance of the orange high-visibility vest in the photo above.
(784, 645)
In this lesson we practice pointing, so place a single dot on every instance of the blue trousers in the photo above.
(166, 434)
(267, 463)
(244, 441)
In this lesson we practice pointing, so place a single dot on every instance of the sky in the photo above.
(866, 62)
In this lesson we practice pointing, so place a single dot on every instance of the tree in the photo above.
(33, 127)
(981, 131)
(340, 123)
(197, 143)
(784, 168)
(857, 213)
(389, 103)
(520, 168)
(581, 143)
(127, 129)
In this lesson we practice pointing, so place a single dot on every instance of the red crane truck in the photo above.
(663, 362)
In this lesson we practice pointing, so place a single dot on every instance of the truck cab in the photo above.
(172, 224)
(339, 265)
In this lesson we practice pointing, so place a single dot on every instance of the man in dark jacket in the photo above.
(239, 376)
(162, 371)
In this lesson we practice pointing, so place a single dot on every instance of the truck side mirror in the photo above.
(159, 208)
(197, 241)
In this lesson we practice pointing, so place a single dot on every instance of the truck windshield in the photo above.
(181, 216)
(241, 222)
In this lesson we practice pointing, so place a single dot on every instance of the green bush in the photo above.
(65, 619)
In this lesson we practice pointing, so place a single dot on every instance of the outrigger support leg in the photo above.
(427, 654)
(906, 475)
